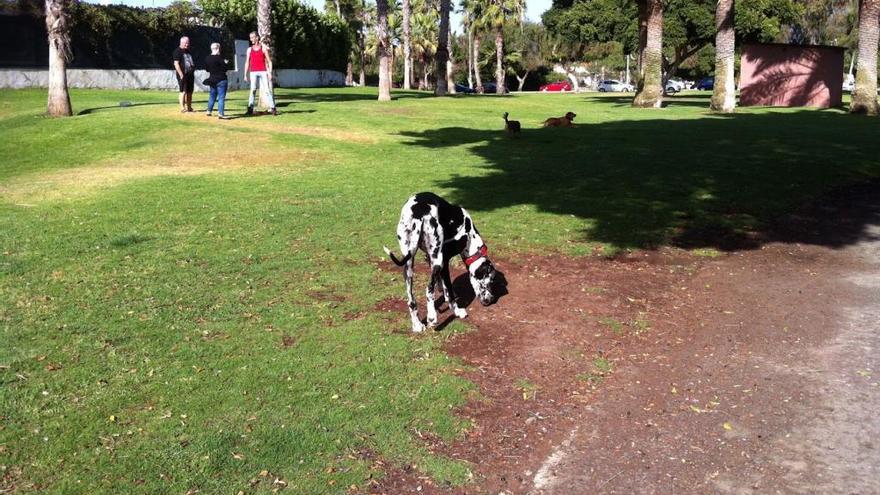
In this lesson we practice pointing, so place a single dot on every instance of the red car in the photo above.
(556, 86)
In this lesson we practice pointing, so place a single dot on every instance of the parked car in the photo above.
(556, 86)
(706, 83)
(489, 88)
(674, 86)
(615, 86)
(461, 88)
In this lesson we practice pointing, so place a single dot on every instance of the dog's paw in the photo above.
(418, 328)
(460, 313)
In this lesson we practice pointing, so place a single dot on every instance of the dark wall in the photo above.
(25, 43)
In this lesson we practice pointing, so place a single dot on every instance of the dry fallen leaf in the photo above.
(727, 426)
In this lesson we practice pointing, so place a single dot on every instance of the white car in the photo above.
(615, 86)
(673, 86)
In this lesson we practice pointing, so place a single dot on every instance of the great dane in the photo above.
(442, 231)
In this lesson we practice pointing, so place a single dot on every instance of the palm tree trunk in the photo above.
(383, 45)
(362, 44)
(724, 93)
(450, 66)
(499, 56)
(650, 91)
(442, 55)
(264, 22)
(479, 81)
(58, 27)
(407, 46)
(643, 36)
(470, 57)
(864, 96)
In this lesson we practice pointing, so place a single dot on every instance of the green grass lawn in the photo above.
(187, 303)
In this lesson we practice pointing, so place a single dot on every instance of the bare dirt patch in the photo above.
(269, 123)
(664, 372)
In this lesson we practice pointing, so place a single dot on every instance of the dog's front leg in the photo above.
(449, 294)
(429, 295)
(417, 325)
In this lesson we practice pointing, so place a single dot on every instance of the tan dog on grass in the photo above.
(565, 121)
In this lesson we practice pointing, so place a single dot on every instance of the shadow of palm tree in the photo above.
(121, 104)
(342, 95)
(717, 181)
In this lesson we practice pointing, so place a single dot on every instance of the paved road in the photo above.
(779, 392)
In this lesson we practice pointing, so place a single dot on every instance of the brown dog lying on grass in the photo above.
(565, 121)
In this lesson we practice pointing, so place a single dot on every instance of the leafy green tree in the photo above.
(424, 41)
(351, 13)
(495, 14)
(528, 50)
(303, 37)
(688, 25)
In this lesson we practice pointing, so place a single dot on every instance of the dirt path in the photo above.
(755, 372)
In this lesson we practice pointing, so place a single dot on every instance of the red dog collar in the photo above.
(481, 253)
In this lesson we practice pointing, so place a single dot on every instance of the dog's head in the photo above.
(484, 278)
(570, 116)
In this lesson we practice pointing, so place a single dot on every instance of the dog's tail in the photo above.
(505, 116)
(394, 258)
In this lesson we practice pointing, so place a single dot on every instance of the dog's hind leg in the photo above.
(417, 324)
(432, 237)
(429, 295)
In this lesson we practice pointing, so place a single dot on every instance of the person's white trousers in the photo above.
(260, 80)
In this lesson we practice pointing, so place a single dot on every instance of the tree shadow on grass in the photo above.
(120, 105)
(696, 100)
(724, 182)
(342, 95)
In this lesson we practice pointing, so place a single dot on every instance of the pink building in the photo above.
(791, 76)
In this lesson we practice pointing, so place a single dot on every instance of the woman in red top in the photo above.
(258, 67)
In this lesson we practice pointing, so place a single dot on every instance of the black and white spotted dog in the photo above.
(442, 231)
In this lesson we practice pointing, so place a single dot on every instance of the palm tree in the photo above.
(441, 71)
(264, 22)
(724, 94)
(425, 42)
(496, 14)
(362, 43)
(467, 21)
(407, 45)
(450, 65)
(864, 96)
(58, 27)
(650, 91)
(383, 45)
